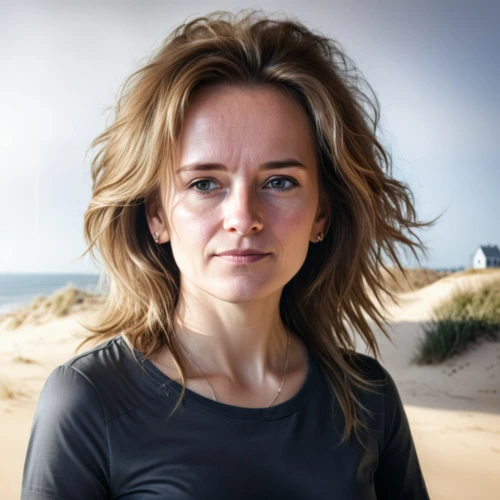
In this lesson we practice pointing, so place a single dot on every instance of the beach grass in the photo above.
(62, 302)
(466, 318)
(9, 388)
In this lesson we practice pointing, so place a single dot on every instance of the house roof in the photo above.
(490, 251)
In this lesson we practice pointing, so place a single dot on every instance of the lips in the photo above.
(243, 259)
(236, 252)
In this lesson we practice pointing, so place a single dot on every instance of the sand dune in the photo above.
(453, 408)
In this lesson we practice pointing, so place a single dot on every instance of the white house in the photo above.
(486, 256)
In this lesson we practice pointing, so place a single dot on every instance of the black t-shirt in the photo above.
(100, 431)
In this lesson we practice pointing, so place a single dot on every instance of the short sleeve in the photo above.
(398, 475)
(67, 455)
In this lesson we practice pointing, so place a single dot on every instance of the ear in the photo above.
(155, 219)
(322, 220)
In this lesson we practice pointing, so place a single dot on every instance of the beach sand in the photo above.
(453, 408)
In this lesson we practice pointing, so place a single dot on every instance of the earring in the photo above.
(157, 237)
(320, 237)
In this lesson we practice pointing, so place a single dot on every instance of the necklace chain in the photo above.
(282, 381)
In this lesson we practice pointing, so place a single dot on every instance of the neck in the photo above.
(243, 343)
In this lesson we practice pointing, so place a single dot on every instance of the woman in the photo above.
(242, 208)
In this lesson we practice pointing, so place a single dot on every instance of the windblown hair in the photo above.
(341, 278)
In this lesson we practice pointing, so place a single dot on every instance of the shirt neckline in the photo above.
(277, 411)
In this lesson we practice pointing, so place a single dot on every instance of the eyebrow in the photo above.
(270, 165)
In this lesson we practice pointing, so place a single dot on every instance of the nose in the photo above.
(243, 211)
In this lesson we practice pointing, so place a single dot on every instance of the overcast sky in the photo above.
(433, 65)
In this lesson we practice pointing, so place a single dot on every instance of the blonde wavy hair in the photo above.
(341, 277)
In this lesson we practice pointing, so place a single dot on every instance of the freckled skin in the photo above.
(241, 129)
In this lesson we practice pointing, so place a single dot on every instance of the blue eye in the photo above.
(282, 179)
(292, 181)
(201, 181)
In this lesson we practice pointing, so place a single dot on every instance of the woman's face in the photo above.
(234, 201)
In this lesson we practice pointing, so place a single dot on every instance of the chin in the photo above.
(242, 290)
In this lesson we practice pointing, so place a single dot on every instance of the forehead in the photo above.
(238, 122)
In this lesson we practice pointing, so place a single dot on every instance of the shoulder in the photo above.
(67, 454)
(381, 398)
(107, 375)
(369, 367)
(372, 370)
(385, 401)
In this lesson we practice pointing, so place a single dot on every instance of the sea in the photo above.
(17, 290)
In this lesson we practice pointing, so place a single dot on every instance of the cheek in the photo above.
(190, 225)
(191, 237)
(292, 232)
(294, 222)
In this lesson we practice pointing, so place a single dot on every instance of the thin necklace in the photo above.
(282, 381)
